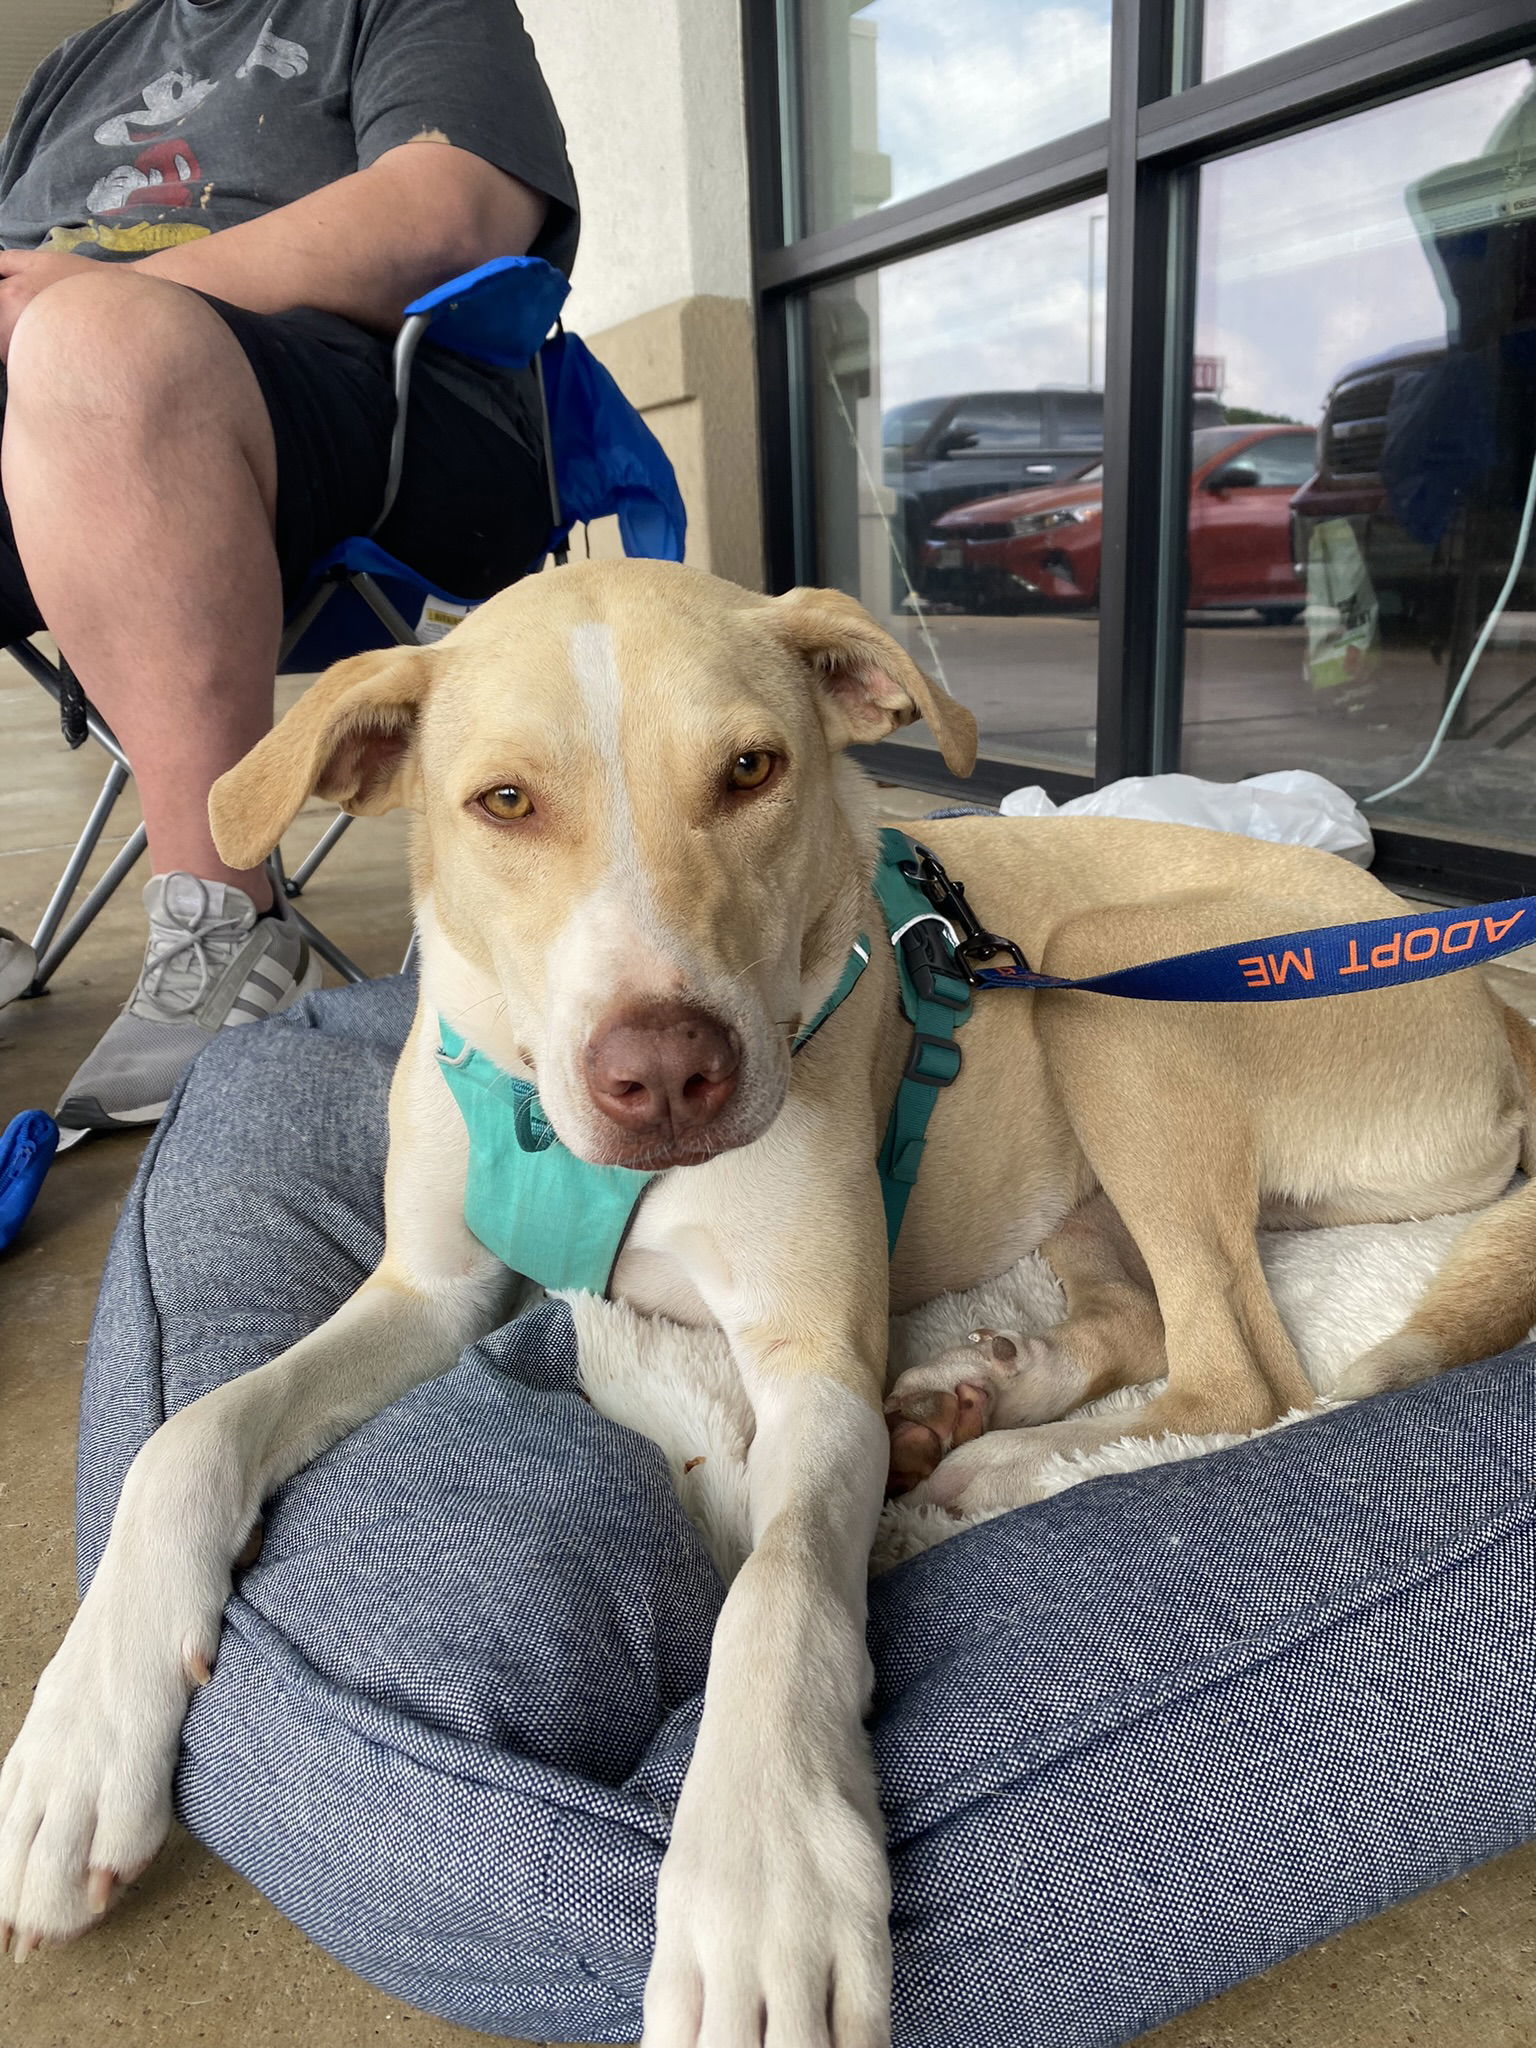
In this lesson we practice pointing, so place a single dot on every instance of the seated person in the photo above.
(211, 215)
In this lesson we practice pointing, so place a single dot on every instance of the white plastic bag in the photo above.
(1292, 807)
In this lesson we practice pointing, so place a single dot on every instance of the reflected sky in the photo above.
(1310, 261)
(965, 84)
(1310, 258)
(1241, 32)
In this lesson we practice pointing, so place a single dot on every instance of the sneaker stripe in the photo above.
(243, 1006)
(269, 987)
(255, 1003)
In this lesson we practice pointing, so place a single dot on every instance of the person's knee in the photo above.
(114, 350)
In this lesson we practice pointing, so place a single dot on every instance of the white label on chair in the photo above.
(439, 616)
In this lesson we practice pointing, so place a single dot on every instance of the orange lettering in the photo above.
(1388, 953)
(1496, 930)
(1303, 965)
(1425, 931)
(1356, 964)
(1467, 925)
(1255, 973)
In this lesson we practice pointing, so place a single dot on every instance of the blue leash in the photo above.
(1336, 960)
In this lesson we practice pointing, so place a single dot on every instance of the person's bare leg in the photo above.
(141, 476)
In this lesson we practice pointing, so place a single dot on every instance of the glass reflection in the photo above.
(1374, 283)
(1238, 32)
(954, 397)
(898, 96)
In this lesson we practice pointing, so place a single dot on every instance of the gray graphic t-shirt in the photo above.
(179, 117)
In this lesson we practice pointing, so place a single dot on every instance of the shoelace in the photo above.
(170, 941)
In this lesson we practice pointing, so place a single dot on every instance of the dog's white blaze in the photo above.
(617, 922)
(595, 666)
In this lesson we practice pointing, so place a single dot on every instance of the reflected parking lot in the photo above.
(1248, 708)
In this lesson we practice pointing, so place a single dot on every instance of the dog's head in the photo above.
(641, 859)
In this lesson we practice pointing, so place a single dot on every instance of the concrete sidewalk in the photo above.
(194, 1955)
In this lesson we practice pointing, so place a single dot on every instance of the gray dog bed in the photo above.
(1135, 1742)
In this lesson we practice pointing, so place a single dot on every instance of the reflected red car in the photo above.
(1042, 547)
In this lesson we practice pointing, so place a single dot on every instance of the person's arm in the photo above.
(367, 245)
(363, 247)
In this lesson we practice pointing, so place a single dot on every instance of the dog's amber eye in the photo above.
(507, 804)
(752, 769)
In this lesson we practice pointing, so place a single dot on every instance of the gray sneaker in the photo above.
(18, 964)
(211, 962)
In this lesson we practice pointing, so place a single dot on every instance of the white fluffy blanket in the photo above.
(1339, 1292)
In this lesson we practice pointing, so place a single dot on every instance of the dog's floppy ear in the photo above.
(348, 738)
(867, 684)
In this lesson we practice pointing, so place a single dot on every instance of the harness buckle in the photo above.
(933, 1061)
(974, 953)
(947, 896)
(929, 953)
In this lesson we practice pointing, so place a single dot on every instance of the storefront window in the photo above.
(1366, 321)
(1239, 32)
(958, 419)
(898, 96)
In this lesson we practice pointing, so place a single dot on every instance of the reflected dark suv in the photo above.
(940, 452)
(1410, 577)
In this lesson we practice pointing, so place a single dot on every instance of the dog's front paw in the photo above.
(948, 1400)
(772, 1921)
(85, 1794)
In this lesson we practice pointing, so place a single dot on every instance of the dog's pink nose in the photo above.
(663, 1069)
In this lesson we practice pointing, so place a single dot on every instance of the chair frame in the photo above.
(54, 939)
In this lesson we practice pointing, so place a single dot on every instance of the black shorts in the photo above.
(473, 510)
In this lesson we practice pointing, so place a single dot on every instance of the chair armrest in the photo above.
(500, 313)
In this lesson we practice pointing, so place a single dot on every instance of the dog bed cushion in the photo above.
(1135, 1742)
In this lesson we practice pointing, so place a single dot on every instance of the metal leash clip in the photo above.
(948, 897)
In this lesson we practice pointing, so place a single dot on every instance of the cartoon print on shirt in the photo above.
(166, 169)
(276, 53)
(168, 101)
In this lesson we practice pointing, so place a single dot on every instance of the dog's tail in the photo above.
(1483, 1299)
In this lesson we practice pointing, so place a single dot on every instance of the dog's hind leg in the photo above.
(1160, 1118)
(1482, 1301)
(85, 1794)
(1112, 1336)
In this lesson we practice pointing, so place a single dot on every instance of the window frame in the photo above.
(1164, 124)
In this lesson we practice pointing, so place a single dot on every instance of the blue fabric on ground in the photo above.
(1135, 1743)
(27, 1146)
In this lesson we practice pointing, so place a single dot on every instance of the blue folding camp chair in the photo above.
(600, 458)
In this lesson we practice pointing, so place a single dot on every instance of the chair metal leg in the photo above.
(293, 885)
(127, 854)
(408, 964)
(378, 603)
(302, 620)
(556, 511)
(328, 950)
(111, 789)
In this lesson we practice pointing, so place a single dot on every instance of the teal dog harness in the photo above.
(562, 1223)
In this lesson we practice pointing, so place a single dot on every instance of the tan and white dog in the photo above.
(640, 862)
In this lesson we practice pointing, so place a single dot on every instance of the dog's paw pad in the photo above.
(996, 1346)
(973, 1412)
(926, 1425)
(915, 1452)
